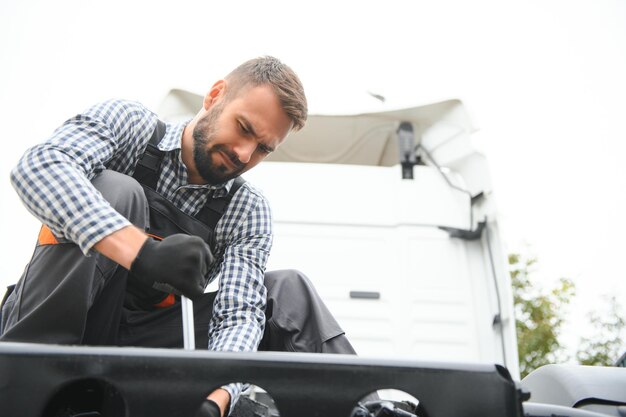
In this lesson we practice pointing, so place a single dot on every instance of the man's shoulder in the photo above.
(121, 110)
(126, 120)
(248, 214)
(249, 198)
(122, 105)
(251, 191)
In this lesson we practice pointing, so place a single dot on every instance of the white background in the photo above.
(544, 81)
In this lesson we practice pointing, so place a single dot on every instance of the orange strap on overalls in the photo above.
(47, 238)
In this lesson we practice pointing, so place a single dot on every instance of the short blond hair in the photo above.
(284, 81)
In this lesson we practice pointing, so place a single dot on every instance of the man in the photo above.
(96, 277)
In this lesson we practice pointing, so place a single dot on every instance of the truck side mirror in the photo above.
(406, 149)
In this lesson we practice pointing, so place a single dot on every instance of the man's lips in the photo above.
(229, 161)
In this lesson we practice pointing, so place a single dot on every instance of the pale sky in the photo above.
(544, 82)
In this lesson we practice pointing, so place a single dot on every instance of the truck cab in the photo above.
(392, 215)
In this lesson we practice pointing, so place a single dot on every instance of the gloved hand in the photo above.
(178, 264)
(208, 409)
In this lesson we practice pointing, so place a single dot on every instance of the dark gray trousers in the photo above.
(64, 297)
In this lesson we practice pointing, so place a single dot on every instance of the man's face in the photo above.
(236, 134)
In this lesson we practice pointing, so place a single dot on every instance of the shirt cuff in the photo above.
(234, 390)
(92, 233)
(87, 241)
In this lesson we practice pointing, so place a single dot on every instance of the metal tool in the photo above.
(189, 335)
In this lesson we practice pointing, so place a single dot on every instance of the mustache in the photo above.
(230, 154)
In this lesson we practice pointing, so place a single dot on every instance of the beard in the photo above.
(204, 133)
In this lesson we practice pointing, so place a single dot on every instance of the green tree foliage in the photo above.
(539, 315)
(606, 345)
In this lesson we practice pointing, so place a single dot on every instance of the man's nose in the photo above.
(244, 150)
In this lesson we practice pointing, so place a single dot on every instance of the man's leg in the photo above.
(51, 302)
(297, 318)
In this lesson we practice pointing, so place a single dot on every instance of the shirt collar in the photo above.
(172, 142)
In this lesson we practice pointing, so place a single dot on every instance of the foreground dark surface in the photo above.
(37, 380)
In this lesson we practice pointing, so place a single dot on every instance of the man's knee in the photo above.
(287, 281)
(124, 194)
(299, 314)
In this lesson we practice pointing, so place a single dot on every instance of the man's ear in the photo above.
(215, 93)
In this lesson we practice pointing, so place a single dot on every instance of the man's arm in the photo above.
(239, 309)
(123, 245)
(53, 179)
(221, 398)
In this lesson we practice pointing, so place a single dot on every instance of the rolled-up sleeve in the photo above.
(53, 179)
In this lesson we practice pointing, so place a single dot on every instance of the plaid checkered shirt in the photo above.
(53, 181)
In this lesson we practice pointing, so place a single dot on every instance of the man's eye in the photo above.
(244, 129)
(265, 149)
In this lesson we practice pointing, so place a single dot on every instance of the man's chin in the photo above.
(215, 172)
(215, 179)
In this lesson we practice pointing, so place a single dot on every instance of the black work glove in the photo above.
(178, 264)
(208, 409)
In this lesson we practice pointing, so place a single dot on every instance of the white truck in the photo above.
(411, 268)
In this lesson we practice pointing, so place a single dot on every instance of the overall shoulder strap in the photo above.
(149, 165)
(214, 208)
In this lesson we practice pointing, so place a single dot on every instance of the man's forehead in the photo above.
(262, 111)
(261, 128)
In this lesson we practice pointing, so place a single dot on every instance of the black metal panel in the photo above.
(162, 382)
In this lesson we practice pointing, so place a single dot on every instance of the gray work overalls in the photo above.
(64, 297)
